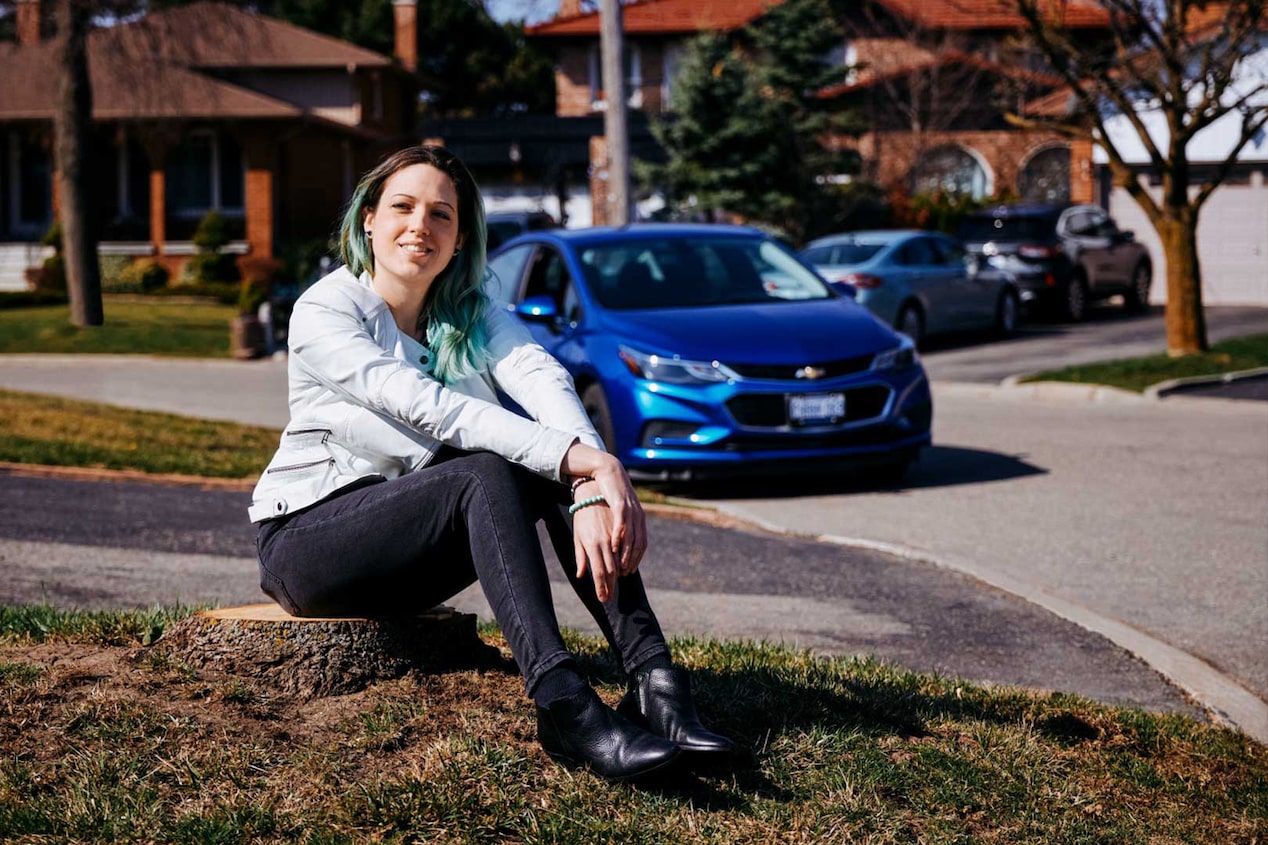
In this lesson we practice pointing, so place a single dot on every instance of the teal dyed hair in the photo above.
(455, 304)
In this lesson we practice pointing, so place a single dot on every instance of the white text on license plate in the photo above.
(816, 408)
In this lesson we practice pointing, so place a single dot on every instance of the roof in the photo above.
(152, 68)
(992, 14)
(664, 17)
(217, 35)
(869, 77)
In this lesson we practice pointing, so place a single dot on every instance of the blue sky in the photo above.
(532, 10)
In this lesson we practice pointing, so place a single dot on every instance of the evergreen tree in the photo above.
(747, 131)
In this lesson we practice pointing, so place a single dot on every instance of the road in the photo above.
(133, 543)
(1145, 520)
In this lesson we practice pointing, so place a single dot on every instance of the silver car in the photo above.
(921, 283)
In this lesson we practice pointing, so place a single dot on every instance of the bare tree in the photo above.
(72, 121)
(1174, 68)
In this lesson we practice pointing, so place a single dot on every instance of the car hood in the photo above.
(762, 333)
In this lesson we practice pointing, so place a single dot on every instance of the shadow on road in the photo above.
(939, 466)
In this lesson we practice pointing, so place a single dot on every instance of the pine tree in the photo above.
(747, 131)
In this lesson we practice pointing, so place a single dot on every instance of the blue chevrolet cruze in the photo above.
(708, 350)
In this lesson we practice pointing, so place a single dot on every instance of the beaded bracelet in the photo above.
(585, 503)
(577, 483)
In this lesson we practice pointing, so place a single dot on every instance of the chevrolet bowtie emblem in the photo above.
(811, 372)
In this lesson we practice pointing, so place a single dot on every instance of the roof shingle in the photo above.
(648, 17)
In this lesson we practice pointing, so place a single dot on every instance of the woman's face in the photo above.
(414, 227)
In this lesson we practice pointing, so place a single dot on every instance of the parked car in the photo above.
(1063, 257)
(701, 350)
(921, 283)
(504, 225)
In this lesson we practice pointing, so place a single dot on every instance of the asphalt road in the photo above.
(121, 543)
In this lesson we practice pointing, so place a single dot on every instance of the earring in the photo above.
(457, 250)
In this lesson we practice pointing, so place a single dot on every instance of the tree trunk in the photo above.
(1186, 321)
(72, 122)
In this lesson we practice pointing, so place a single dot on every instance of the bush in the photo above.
(251, 295)
(212, 233)
(53, 237)
(52, 277)
(210, 267)
(30, 298)
(145, 274)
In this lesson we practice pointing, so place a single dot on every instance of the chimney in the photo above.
(568, 9)
(28, 22)
(405, 16)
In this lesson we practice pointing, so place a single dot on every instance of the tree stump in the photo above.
(319, 657)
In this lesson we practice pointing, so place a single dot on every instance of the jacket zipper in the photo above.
(324, 432)
(306, 465)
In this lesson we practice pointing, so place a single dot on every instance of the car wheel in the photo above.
(1006, 313)
(596, 405)
(1137, 296)
(1076, 298)
(911, 323)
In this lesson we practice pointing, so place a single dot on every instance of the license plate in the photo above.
(819, 407)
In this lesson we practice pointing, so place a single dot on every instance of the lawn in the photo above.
(161, 327)
(38, 429)
(1230, 356)
(107, 736)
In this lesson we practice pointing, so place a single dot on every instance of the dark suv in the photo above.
(1062, 257)
(504, 225)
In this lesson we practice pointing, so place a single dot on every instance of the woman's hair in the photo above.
(456, 301)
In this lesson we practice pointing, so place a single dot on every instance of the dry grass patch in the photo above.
(126, 743)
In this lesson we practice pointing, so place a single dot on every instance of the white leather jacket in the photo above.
(363, 403)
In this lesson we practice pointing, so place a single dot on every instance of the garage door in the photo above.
(1232, 239)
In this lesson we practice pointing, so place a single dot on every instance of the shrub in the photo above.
(251, 295)
(52, 277)
(53, 237)
(145, 275)
(210, 267)
(212, 233)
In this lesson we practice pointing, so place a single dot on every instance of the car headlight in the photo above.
(673, 370)
(899, 358)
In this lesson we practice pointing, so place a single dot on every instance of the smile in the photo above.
(417, 249)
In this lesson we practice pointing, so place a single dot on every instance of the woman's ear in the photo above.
(367, 220)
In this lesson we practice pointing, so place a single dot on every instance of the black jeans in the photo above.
(401, 546)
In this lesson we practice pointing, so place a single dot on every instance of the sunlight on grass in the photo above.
(196, 330)
(1245, 353)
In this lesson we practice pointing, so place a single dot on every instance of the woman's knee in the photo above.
(494, 475)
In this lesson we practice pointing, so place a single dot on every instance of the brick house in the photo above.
(198, 108)
(894, 50)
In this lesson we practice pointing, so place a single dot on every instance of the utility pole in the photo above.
(615, 126)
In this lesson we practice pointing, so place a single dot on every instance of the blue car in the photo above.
(709, 350)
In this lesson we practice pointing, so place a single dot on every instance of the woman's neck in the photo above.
(405, 302)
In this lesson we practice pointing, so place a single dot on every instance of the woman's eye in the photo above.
(401, 206)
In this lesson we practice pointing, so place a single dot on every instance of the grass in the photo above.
(1230, 356)
(145, 328)
(102, 742)
(38, 429)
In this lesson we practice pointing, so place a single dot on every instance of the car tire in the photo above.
(1007, 313)
(1137, 296)
(596, 405)
(1076, 296)
(911, 322)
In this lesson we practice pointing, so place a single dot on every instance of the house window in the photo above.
(673, 57)
(950, 170)
(1046, 176)
(30, 179)
(633, 78)
(206, 172)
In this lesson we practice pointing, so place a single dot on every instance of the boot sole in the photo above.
(652, 773)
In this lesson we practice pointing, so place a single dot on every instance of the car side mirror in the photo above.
(538, 309)
(1126, 236)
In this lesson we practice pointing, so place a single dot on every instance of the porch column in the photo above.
(258, 202)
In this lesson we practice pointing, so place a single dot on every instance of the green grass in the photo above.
(100, 744)
(1230, 356)
(37, 429)
(136, 328)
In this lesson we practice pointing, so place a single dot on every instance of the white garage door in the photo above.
(1232, 240)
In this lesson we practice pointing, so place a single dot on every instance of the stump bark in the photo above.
(319, 657)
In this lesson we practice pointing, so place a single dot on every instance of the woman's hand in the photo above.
(610, 538)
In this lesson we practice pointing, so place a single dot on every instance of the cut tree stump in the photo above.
(319, 657)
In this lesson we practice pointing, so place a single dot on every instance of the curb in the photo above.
(1177, 385)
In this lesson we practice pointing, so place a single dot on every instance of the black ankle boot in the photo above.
(660, 701)
(581, 730)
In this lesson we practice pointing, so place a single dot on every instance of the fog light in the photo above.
(666, 432)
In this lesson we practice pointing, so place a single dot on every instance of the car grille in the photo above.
(877, 435)
(770, 410)
(788, 372)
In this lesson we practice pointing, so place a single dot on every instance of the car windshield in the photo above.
(681, 272)
(1007, 228)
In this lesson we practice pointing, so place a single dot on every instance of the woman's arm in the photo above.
(329, 341)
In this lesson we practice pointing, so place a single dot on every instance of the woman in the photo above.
(400, 480)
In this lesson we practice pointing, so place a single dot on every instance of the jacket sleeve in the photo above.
(329, 340)
(534, 379)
